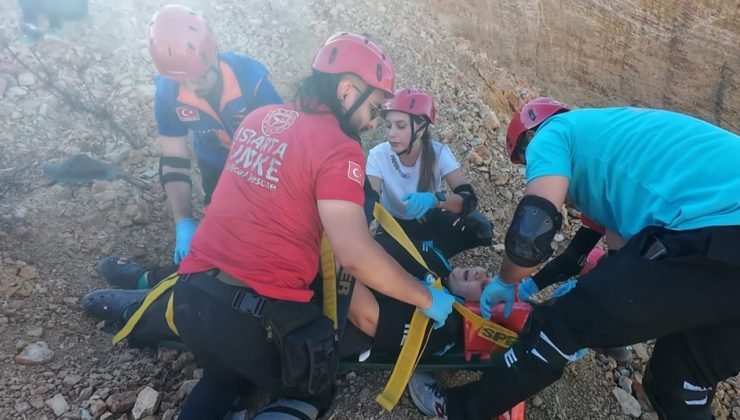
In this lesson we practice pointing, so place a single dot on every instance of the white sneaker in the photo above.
(427, 395)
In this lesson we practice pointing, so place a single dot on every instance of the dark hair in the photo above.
(321, 89)
(428, 157)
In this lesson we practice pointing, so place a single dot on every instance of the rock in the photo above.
(35, 331)
(3, 86)
(121, 401)
(500, 180)
(26, 79)
(625, 383)
(641, 351)
(58, 404)
(169, 414)
(106, 416)
(736, 412)
(184, 390)
(490, 119)
(16, 91)
(98, 407)
(651, 415)
(85, 393)
(35, 353)
(499, 247)
(36, 401)
(147, 403)
(21, 406)
(475, 158)
(143, 213)
(640, 394)
(630, 406)
(27, 272)
(537, 401)
(71, 380)
(85, 415)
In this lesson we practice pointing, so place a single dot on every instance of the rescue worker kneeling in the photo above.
(242, 301)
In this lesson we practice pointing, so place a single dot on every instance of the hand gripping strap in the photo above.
(420, 330)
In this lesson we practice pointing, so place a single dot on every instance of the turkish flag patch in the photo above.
(354, 172)
(187, 113)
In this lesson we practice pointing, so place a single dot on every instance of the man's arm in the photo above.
(551, 188)
(362, 257)
(179, 193)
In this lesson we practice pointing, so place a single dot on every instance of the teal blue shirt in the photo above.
(630, 168)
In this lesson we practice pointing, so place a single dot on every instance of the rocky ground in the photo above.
(94, 95)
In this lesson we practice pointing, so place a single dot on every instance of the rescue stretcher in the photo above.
(471, 353)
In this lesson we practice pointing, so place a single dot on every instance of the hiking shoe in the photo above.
(622, 355)
(427, 395)
(112, 304)
(120, 271)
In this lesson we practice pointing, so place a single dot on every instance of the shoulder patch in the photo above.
(354, 172)
(187, 113)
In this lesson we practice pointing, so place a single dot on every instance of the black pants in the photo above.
(55, 10)
(445, 230)
(678, 287)
(393, 324)
(234, 348)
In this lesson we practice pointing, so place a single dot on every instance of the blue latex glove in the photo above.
(419, 203)
(564, 288)
(497, 291)
(184, 231)
(580, 354)
(527, 289)
(441, 307)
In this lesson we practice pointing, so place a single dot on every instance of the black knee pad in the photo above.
(676, 399)
(481, 227)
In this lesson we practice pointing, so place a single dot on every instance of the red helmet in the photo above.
(180, 43)
(529, 116)
(412, 101)
(351, 53)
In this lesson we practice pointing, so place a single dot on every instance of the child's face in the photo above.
(468, 283)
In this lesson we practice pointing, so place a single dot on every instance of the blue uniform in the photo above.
(630, 168)
(245, 87)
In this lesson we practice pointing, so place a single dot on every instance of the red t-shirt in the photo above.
(263, 225)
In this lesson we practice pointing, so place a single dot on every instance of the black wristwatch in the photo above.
(440, 197)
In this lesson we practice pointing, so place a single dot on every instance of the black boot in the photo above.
(121, 271)
(112, 304)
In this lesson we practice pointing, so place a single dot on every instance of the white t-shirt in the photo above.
(397, 180)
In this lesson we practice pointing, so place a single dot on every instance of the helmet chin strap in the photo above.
(414, 133)
(345, 120)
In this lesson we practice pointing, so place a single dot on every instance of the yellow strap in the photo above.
(419, 332)
(153, 294)
(169, 314)
(406, 363)
(329, 276)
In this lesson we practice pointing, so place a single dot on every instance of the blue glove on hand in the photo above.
(419, 203)
(441, 307)
(527, 289)
(184, 231)
(497, 291)
(564, 288)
